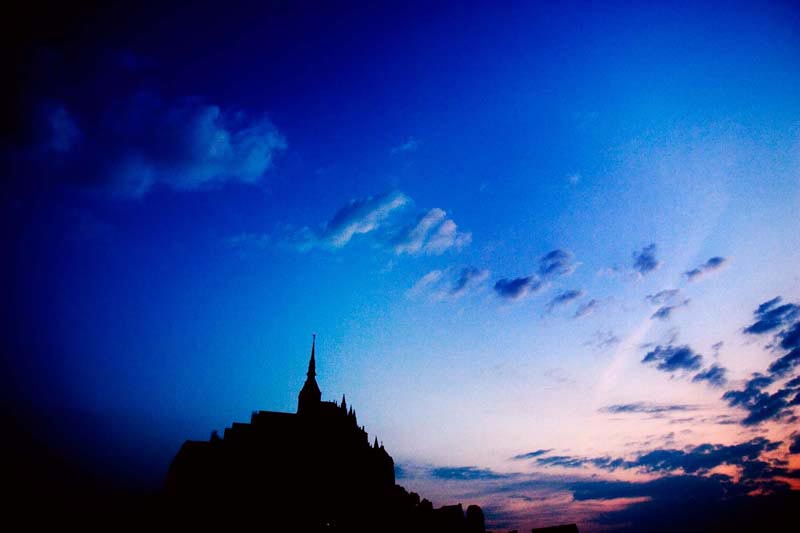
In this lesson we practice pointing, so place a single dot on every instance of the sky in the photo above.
(549, 251)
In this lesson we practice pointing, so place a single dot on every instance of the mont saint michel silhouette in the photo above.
(313, 470)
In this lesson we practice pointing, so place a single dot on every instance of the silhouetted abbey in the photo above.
(313, 470)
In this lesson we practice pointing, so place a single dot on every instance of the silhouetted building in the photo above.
(305, 471)
(569, 528)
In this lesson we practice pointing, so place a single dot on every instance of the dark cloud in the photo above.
(464, 473)
(469, 277)
(790, 339)
(715, 263)
(531, 455)
(786, 363)
(671, 358)
(794, 444)
(518, 288)
(649, 408)
(644, 260)
(556, 263)
(715, 375)
(665, 311)
(692, 503)
(140, 141)
(586, 308)
(662, 297)
(694, 460)
(771, 316)
(762, 405)
(563, 298)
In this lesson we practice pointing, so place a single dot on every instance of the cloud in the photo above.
(411, 145)
(556, 263)
(665, 311)
(469, 277)
(794, 445)
(425, 282)
(673, 358)
(443, 284)
(586, 308)
(771, 316)
(648, 408)
(698, 459)
(564, 297)
(662, 297)
(432, 233)
(358, 217)
(715, 375)
(144, 141)
(762, 405)
(531, 455)
(517, 288)
(603, 340)
(464, 473)
(713, 264)
(644, 260)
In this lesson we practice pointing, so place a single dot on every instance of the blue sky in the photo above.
(503, 223)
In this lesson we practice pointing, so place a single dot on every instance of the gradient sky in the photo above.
(532, 240)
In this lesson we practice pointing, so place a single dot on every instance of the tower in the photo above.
(310, 395)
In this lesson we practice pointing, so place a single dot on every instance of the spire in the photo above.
(312, 364)
(376, 443)
(344, 404)
(308, 402)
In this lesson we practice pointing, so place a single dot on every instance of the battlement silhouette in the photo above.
(312, 470)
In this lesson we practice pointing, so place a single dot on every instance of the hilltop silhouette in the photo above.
(313, 470)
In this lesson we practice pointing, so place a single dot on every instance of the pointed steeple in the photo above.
(312, 364)
(344, 404)
(376, 443)
(310, 395)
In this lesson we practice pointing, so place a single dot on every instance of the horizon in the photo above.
(547, 251)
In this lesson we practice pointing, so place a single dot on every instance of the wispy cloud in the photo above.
(647, 407)
(432, 233)
(665, 311)
(564, 297)
(411, 145)
(446, 284)
(360, 216)
(713, 264)
(531, 455)
(586, 308)
(603, 340)
(467, 279)
(662, 297)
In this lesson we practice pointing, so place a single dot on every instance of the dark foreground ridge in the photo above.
(313, 470)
